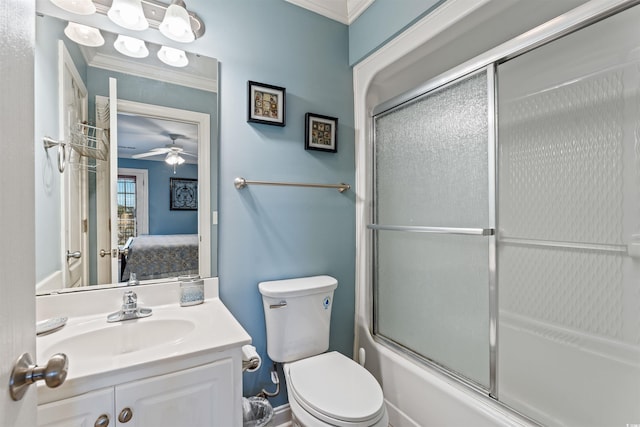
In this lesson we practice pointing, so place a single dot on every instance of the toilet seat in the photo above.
(336, 390)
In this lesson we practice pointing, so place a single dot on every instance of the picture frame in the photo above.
(183, 194)
(321, 133)
(266, 104)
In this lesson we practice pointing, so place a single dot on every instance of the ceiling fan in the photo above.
(173, 152)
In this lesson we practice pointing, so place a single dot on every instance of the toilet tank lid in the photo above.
(298, 286)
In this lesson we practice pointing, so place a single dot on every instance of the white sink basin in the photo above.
(115, 339)
(103, 354)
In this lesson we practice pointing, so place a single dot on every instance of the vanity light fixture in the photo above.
(173, 20)
(176, 24)
(130, 46)
(80, 7)
(128, 14)
(173, 57)
(84, 35)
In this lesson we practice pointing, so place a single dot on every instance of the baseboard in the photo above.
(281, 416)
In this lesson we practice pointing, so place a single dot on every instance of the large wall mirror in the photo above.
(137, 194)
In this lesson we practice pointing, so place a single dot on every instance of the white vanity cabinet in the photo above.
(79, 411)
(200, 396)
(179, 367)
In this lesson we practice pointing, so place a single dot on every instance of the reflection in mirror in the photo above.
(142, 207)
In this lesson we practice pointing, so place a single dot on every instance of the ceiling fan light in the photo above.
(173, 57)
(176, 24)
(131, 46)
(84, 35)
(128, 14)
(174, 158)
(79, 7)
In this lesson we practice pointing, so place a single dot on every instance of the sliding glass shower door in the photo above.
(569, 209)
(511, 259)
(433, 226)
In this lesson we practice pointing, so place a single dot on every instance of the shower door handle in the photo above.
(435, 230)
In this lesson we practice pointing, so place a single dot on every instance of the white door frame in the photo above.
(74, 213)
(203, 121)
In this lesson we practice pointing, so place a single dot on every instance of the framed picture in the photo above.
(183, 194)
(266, 104)
(321, 133)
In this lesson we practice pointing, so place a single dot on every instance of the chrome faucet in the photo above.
(130, 309)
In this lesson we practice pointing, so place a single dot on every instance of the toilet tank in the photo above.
(297, 314)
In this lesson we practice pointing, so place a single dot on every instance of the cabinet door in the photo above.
(196, 397)
(78, 411)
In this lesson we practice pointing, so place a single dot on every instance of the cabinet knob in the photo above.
(102, 421)
(125, 415)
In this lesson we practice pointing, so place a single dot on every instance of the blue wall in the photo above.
(279, 232)
(163, 220)
(381, 22)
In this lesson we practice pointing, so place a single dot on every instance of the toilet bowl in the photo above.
(324, 389)
(333, 390)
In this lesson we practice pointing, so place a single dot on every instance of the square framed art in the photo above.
(321, 133)
(183, 194)
(266, 104)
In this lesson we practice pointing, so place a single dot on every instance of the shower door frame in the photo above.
(427, 89)
(565, 24)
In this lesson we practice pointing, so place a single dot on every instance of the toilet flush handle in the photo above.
(281, 304)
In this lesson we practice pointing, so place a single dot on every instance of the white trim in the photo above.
(52, 282)
(344, 11)
(66, 65)
(173, 75)
(355, 8)
(332, 9)
(142, 196)
(203, 121)
(281, 416)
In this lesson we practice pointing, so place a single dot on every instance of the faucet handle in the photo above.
(129, 299)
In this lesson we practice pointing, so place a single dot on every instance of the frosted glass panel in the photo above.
(431, 170)
(431, 159)
(432, 297)
(569, 203)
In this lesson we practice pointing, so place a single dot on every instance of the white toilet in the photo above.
(324, 389)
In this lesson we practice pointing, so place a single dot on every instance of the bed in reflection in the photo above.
(160, 256)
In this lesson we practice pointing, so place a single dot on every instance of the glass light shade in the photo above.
(173, 57)
(176, 24)
(84, 35)
(128, 14)
(174, 159)
(79, 7)
(131, 46)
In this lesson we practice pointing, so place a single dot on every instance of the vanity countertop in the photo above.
(104, 354)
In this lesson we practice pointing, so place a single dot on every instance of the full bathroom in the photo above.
(460, 247)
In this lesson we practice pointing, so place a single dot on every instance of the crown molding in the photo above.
(174, 75)
(344, 11)
(356, 7)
